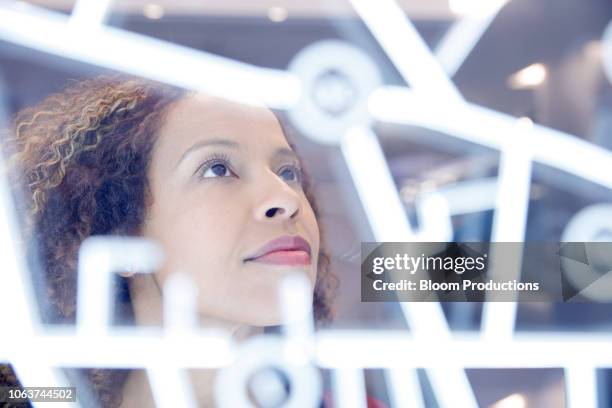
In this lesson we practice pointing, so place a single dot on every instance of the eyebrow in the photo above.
(282, 151)
(205, 143)
(285, 151)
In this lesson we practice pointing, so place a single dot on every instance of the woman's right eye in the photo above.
(215, 170)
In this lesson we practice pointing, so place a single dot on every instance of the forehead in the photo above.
(200, 117)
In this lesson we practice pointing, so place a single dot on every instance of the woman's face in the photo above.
(228, 208)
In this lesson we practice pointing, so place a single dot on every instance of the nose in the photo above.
(277, 201)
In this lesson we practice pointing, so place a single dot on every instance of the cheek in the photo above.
(196, 235)
(311, 225)
(199, 238)
(312, 228)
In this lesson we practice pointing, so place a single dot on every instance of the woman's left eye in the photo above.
(290, 173)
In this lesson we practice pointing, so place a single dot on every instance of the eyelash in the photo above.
(220, 158)
(297, 170)
(216, 158)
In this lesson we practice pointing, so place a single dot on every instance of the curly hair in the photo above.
(79, 160)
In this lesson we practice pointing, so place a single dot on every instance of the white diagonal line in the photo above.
(406, 49)
(90, 14)
(150, 58)
(375, 186)
(459, 41)
(349, 388)
(405, 387)
(488, 128)
(509, 223)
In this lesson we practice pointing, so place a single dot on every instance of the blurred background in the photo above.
(540, 61)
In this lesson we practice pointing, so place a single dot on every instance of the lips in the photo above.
(286, 250)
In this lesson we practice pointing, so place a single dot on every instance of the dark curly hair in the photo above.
(79, 160)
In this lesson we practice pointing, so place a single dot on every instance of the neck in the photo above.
(137, 390)
(147, 306)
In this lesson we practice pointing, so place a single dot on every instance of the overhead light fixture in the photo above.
(529, 77)
(511, 401)
(153, 11)
(277, 14)
(475, 8)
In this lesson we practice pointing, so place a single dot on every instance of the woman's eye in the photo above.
(216, 170)
(290, 173)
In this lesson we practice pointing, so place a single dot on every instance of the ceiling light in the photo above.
(528, 77)
(153, 11)
(277, 14)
